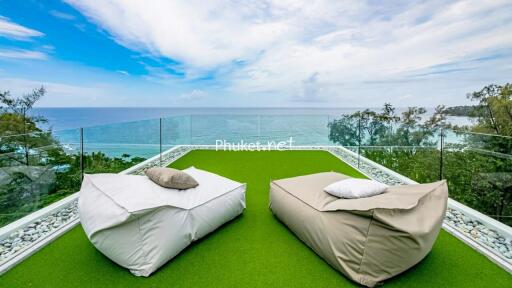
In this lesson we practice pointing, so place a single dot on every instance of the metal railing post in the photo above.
(160, 142)
(191, 142)
(259, 128)
(81, 154)
(359, 142)
(441, 160)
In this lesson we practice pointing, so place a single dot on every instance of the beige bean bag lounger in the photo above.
(368, 239)
(141, 225)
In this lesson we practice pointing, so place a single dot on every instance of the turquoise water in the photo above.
(117, 131)
(142, 138)
(68, 118)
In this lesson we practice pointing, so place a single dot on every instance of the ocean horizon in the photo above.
(136, 131)
(62, 118)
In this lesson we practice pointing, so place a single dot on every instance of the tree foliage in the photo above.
(18, 128)
(478, 169)
(34, 168)
(464, 111)
(480, 181)
(385, 128)
(494, 116)
(494, 109)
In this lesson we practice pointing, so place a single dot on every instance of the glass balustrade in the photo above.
(39, 168)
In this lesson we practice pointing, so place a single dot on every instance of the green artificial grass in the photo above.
(254, 250)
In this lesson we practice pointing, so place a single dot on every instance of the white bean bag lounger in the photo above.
(141, 225)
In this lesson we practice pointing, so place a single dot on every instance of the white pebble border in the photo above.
(480, 233)
(31, 234)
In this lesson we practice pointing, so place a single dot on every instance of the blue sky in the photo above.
(254, 53)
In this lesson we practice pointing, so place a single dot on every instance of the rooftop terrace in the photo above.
(254, 250)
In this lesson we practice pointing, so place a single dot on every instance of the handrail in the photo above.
(481, 133)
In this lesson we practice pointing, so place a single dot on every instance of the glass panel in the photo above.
(116, 147)
(69, 139)
(344, 131)
(478, 169)
(36, 177)
(419, 163)
(176, 131)
(410, 147)
(224, 129)
(301, 129)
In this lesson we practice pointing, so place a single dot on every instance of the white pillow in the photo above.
(355, 188)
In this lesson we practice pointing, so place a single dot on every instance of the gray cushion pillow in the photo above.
(171, 178)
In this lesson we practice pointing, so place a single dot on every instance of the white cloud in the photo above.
(314, 50)
(57, 94)
(15, 31)
(12, 30)
(203, 34)
(22, 54)
(62, 15)
(195, 94)
(383, 50)
(311, 90)
(123, 72)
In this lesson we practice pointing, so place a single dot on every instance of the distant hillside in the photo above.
(468, 111)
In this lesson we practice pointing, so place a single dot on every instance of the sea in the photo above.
(139, 131)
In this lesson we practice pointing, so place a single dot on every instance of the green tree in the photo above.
(18, 128)
(409, 133)
(385, 128)
(494, 109)
(47, 173)
(494, 116)
(372, 127)
(478, 170)
(389, 119)
(344, 131)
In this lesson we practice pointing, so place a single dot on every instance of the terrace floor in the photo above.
(254, 250)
